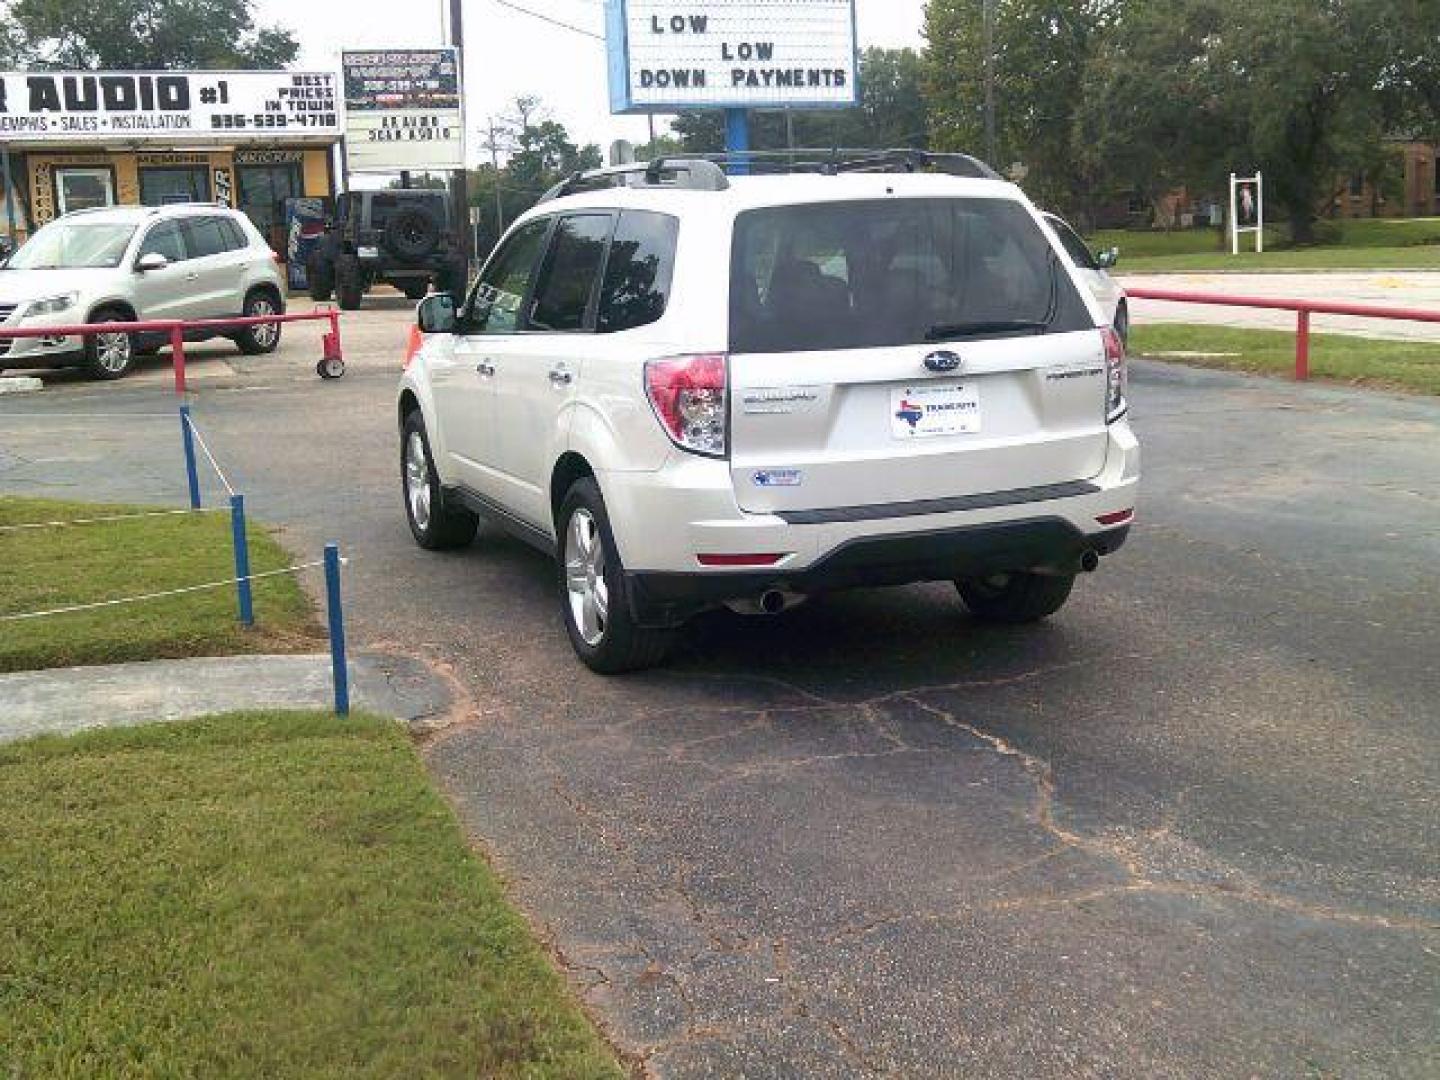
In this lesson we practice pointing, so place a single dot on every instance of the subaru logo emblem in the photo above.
(943, 361)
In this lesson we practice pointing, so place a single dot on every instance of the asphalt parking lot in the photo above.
(1188, 828)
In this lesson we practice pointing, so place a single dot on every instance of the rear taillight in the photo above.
(688, 394)
(1115, 376)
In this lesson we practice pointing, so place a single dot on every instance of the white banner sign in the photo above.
(403, 110)
(175, 106)
(669, 54)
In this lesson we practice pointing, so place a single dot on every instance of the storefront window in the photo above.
(84, 189)
(180, 184)
(263, 191)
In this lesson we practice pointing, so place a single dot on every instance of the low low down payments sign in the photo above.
(403, 110)
(667, 55)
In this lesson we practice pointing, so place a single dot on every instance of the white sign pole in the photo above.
(1251, 190)
(1259, 212)
(1234, 217)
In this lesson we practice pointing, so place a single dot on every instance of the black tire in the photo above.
(349, 284)
(621, 645)
(262, 339)
(413, 232)
(110, 356)
(439, 526)
(321, 279)
(1015, 598)
(415, 290)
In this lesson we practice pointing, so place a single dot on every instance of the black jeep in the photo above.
(407, 239)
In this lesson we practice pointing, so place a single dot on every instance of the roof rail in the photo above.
(831, 161)
(685, 173)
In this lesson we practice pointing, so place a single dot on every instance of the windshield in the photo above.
(872, 274)
(73, 245)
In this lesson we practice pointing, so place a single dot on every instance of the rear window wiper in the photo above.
(951, 331)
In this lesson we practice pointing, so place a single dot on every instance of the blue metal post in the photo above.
(737, 140)
(242, 560)
(187, 437)
(338, 671)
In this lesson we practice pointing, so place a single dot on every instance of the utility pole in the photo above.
(989, 35)
(459, 196)
(493, 142)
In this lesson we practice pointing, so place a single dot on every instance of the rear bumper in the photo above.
(663, 519)
(667, 599)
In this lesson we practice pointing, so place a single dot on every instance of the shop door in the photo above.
(84, 189)
(263, 190)
(182, 184)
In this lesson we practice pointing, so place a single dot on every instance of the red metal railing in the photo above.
(175, 330)
(1303, 310)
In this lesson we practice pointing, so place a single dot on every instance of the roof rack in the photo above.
(707, 172)
(831, 161)
(687, 173)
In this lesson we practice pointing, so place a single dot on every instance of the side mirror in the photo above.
(436, 314)
(1108, 259)
(152, 260)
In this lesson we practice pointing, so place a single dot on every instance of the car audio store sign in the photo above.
(402, 110)
(667, 55)
(126, 106)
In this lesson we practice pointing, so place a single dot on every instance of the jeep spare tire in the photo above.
(413, 232)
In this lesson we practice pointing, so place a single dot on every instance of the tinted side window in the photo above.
(637, 276)
(235, 238)
(495, 305)
(203, 236)
(571, 271)
(1076, 248)
(164, 239)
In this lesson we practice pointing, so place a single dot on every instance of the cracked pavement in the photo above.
(1187, 828)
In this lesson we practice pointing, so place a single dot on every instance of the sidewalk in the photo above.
(65, 700)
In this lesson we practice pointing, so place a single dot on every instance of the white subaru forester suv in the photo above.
(698, 391)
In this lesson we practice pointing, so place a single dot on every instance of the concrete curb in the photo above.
(21, 384)
(66, 700)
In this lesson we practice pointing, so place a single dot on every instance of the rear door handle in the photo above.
(485, 368)
(560, 377)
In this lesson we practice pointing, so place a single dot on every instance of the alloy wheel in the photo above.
(112, 351)
(585, 577)
(263, 334)
(417, 480)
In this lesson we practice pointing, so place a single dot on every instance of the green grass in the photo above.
(42, 569)
(267, 894)
(1382, 244)
(1390, 365)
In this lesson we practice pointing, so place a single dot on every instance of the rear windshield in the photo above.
(857, 275)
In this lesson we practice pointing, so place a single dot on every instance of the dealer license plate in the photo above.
(928, 410)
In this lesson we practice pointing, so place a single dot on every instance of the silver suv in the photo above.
(698, 390)
(126, 264)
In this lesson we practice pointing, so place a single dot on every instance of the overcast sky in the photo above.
(508, 53)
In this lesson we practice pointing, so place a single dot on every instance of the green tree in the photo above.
(147, 34)
(1156, 114)
(540, 154)
(1096, 96)
(1043, 53)
(1408, 32)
